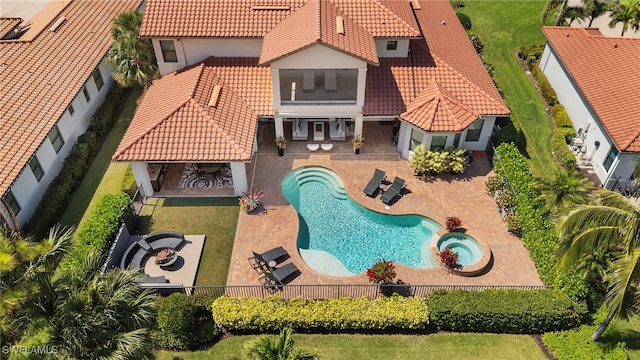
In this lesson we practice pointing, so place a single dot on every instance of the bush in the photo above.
(561, 117)
(274, 313)
(456, 4)
(106, 115)
(184, 322)
(419, 160)
(504, 311)
(129, 185)
(494, 184)
(99, 231)
(477, 44)
(548, 94)
(464, 20)
(89, 138)
(531, 52)
(561, 151)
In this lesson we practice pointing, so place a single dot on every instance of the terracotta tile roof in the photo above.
(174, 121)
(8, 24)
(400, 86)
(252, 18)
(316, 23)
(607, 72)
(39, 78)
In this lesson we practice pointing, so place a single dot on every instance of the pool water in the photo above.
(335, 227)
(468, 248)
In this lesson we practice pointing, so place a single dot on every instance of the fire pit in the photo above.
(166, 257)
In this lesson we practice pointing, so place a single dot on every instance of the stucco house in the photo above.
(53, 76)
(316, 71)
(596, 78)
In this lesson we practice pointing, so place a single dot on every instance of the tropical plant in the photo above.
(627, 13)
(448, 258)
(550, 6)
(383, 272)
(250, 201)
(505, 199)
(88, 315)
(453, 223)
(132, 57)
(574, 13)
(438, 161)
(357, 142)
(458, 160)
(264, 348)
(495, 183)
(613, 222)
(419, 160)
(594, 8)
(562, 191)
(281, 142)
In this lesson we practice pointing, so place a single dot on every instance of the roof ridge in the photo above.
(396, 17)
(318, 20)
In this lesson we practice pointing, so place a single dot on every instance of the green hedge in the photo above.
(561, 116)
(184, 322)
(274, 313)
(107, 114)
(464, 20)
(530, 53)
(99, 231)
(560, 150)
(504, 311)
(548, 94)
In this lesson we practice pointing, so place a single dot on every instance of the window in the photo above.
(12, 202)
(71, 109)
(97, 77)
(456, 141)
(34, 164)
(438, 142)
(56, 139)
(392, 45)
(86, 93)
(473, 132)
(612, 155)
(416, 139)
(168, 51)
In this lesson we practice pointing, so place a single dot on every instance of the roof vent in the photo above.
(615, 46)
(415, 5)
(57, 24)
(340, 25)
(270, 7)
(215, 94)
(443, 22)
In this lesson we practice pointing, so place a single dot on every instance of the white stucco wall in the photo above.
(401, 51)
(26, 189)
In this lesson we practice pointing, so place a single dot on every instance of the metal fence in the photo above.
(336, 291)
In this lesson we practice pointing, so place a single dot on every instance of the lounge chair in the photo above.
(275, 279)
(313, 147)
(373, 186)
(260, 262)
(393, 190)
(326, 147)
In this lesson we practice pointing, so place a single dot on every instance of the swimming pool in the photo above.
(468, 249)
(339, 237)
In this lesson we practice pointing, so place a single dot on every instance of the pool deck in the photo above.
(437, 197)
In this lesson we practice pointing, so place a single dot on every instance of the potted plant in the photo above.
(281, 143)
(382, 273)
(449, 259)
(357, 143)
(453, 223)
(250, 201)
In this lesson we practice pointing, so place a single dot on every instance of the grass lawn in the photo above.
(503, 26)
(214, 217)
(627, 331)
(389, 347)
(103, 176)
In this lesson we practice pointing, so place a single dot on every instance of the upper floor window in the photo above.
(12, 202)
(97, 77)
(56, 139)
(611, 156)
(86, 93)
(34, 164)
(71, 109)
(168, 51)
(392, 45)
(474, 130)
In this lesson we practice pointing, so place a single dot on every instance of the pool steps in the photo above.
(303, 175)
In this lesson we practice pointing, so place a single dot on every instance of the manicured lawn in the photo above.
(214, 217)
(503, 26)
(627, 331)
(389, 347)
(103, 176)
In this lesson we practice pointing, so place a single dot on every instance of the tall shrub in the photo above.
(184, 322)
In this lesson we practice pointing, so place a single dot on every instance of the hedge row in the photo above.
(184, 322)
(538, 232)
(99, 231)
(560, 150)
(530, 53)
(274, 313)
(107, 114)
(561, 116)
(548, 94)
(505, 311)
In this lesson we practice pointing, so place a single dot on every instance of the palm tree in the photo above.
(550, 6)
(614, 222)
(563, 191)
(264, 348)
(21, 262)
(626, 12)
(594, 8)
(133, 58)
(574, 13)
(86, 314)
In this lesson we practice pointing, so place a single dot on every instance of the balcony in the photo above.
(318, 87)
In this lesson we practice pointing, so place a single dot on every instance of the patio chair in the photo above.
(275, 279)
(260, 262)
(373, 186)
(393, 191)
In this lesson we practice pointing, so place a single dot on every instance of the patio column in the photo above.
(357, 131)
(239, 173)
(141, 174)
(279, 128)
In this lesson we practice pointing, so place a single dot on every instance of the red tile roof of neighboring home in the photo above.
(317, 23)
(255, 18)
(40, 77)
(607, 72)
(175, 121)
(8, 24)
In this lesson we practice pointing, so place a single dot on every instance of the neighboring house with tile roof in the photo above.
(596, 78)
(321, 69)
(52, 78)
